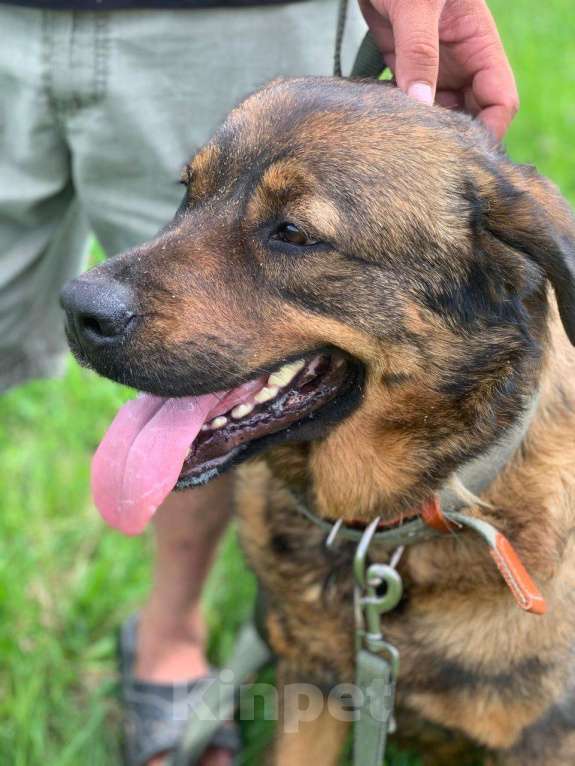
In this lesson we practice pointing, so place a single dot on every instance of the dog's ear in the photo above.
(526, 213)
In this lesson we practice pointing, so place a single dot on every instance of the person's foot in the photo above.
(171, 654)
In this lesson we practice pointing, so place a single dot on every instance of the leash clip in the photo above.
(378, 589)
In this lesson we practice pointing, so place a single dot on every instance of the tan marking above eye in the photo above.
(186, 175)
(287, 190)
(286, 177)
(199, 175)
(322, 214)
(280, 184)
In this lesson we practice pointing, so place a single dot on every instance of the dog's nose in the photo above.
(99, 312)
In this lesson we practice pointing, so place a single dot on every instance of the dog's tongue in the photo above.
(140, 458)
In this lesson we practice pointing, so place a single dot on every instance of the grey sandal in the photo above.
(156, 715)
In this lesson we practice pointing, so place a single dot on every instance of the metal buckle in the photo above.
(378, 590)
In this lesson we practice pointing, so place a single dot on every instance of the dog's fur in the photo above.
(446, 273)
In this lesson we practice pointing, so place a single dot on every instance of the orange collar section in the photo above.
(434, 517)
(519, 581)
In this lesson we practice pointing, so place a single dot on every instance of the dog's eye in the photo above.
(293, 235)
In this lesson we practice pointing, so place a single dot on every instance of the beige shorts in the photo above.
(98, 112)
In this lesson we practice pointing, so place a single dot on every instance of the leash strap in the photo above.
(339, 33)
(218, 701)
(375, 681)
(378, 589)
(368, 62)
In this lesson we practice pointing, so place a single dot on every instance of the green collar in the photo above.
(442, 516)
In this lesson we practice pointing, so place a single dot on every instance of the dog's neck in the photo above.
(473, 478)
(465, 486)
(460, 492)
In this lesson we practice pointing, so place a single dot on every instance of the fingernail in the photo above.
(421, 91)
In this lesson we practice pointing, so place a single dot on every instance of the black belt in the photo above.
(124, 5)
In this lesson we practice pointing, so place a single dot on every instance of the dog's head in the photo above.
(386, 252)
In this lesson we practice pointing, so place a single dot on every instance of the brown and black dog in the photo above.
(421, 289)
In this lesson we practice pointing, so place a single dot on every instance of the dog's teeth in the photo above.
(286, 374)
(219, 422)
(206, 427)
(267, 393)
(242, 410)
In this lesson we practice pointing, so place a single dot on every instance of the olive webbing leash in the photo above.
(368, 61)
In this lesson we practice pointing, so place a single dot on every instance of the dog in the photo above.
(359, 296)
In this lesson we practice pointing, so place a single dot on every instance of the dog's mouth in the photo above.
(155, 445)
(280, 405)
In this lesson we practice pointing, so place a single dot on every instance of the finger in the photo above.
(416, 39)
(497, 120)
(217, 756)
(470, 104)
(493, 88)
(496, 95)
(450, 99)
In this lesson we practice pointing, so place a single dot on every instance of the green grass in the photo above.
(66, 581)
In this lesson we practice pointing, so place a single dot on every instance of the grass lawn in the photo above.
(66, 581)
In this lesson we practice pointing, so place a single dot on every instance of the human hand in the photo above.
(447, 50)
